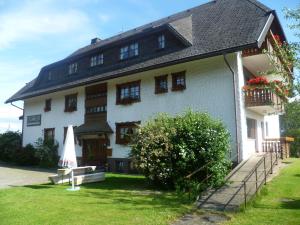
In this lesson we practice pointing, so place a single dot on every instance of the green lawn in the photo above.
(121, 199)
(278, 203)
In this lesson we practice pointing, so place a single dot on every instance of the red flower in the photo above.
(258, 81)
(278, 39)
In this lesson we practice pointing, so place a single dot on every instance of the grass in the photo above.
(278, 202)
(120, 199)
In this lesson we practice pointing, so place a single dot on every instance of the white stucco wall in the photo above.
(209, 89)
(56, 118)
(273, 126)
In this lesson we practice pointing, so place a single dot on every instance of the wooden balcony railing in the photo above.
(263, 97)
(278, 145)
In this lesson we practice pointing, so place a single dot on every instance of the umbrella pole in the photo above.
(73, 185)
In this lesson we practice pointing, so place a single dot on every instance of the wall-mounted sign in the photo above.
(34, 120)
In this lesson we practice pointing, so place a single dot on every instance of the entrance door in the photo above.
(94, 152)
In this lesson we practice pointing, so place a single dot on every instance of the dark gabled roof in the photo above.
(211, 29)
(93, 127)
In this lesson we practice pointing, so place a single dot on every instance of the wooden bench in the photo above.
(89, 178)
(64, 175)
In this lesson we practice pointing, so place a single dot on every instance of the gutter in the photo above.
(235, 110)
(22, 120)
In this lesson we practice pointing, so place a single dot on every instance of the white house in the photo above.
(199, 58)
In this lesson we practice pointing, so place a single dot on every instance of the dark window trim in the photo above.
(129, 100)
(130, 51)
(104, 107)
(176, 87)
(251, 131)
(97, 60)
(75, 70)
(69, 109)
(158, 89)
(159, 42)
(48, 105)
(65, 134)
(47, 130)
(124, 125)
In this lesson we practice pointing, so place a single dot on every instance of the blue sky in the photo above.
(34, 33)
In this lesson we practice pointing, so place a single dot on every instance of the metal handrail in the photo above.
(255, 170)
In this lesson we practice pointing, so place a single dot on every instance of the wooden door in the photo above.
(94, 152)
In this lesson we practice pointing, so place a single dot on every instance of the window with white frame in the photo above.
(129, 51)
(97, 60)
(73, 68)
(161, 41)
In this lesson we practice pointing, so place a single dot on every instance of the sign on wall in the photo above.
(34, 120)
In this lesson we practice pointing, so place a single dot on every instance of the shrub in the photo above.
(26, 156)
(167, 149)
(10, 143)
(46, 152)
(295, 146)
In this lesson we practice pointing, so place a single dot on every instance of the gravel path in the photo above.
(11, 176)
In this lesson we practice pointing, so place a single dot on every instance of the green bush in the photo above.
(26, 156)
(10, 143)
(295, 146)
(46, 152)
(167, 149)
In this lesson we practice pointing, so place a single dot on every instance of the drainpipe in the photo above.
(235, 108)
(22, 120)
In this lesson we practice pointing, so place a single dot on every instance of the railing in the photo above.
(206, 176)
(262, 97)
(257, 176)
(278, 145)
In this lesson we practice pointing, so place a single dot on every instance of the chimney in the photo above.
(95, 41)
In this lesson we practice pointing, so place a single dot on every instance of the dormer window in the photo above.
(161, 42)
(73, 68)
(49, 76)
(129, 51)
(97, 60)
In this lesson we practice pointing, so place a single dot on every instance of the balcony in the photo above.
(263, 101)
(262, 59)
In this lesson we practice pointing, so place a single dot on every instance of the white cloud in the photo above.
(35, 19)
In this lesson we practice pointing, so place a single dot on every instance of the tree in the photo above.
(290, 122)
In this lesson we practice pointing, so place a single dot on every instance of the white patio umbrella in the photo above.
(68, 156)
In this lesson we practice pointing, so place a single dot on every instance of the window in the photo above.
(262, 124)
(267, 129)
(73, 68)
(128, 93)
(71, 103)
(251, 128)
(161, 42)
(49, 76)
(47, 105)
(97, 60)
(65, 134)
(49, 134)
(161, 84)
(120, 166)
(129, 51)
(178, 81)
(96, 109)
(124, 131)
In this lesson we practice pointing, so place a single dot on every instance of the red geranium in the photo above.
(278, 39)
(258, 81)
